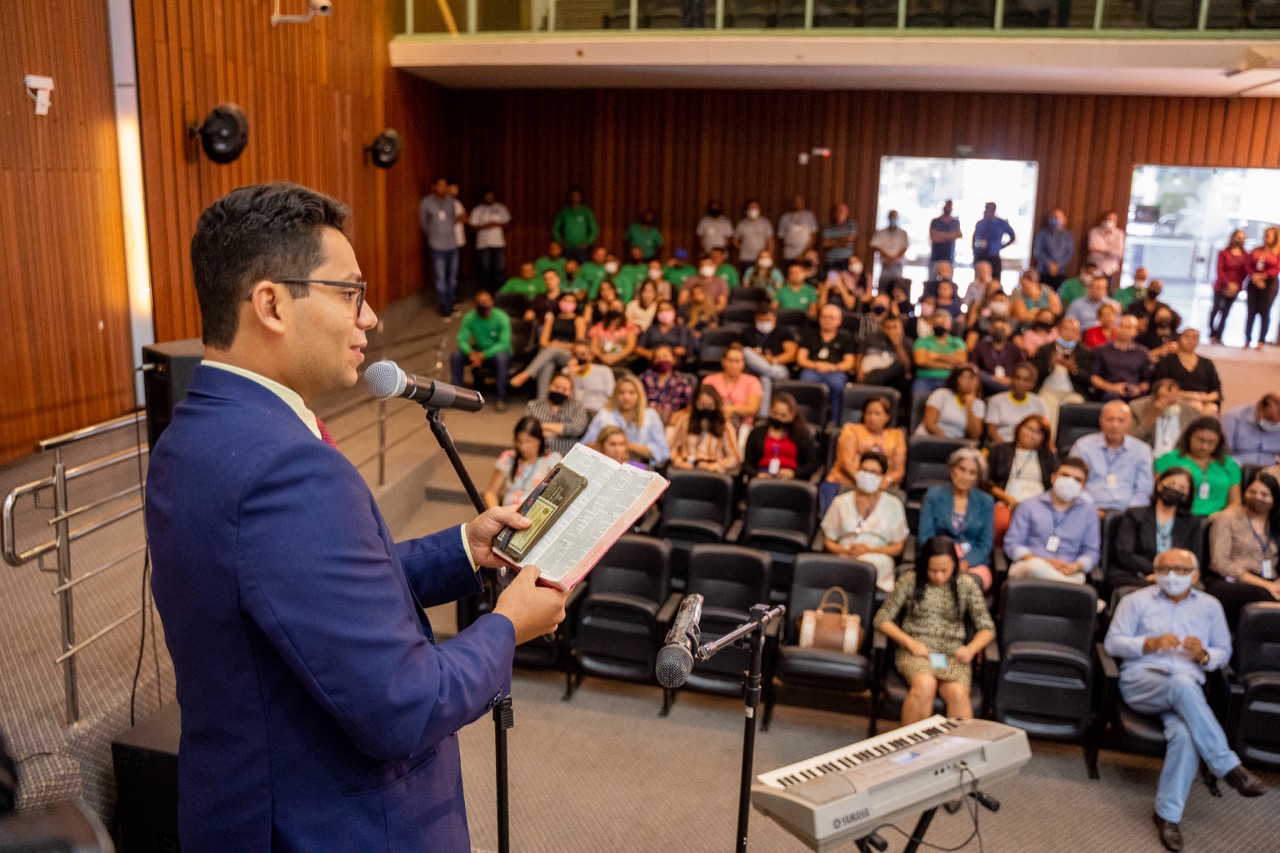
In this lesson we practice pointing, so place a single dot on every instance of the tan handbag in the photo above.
(831, 626)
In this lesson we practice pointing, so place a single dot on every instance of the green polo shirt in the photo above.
(947, 346)
(1220, 477)
(1071, 290)
(575, 227)
(628, 280)
(526, 287)
(729, 273)
(589, 276)
(545, 263)
(677, 275)
(789, 299)
(489, 335)
(647, 237)
(1126, 295)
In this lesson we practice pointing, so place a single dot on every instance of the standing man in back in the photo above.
(440, 215)
(490, 219)
(989, 239)
(943, 233)
(575, 228)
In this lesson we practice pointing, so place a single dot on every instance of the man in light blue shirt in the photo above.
(1119, 464)
(1085, 309)
(1055, 536)
(989, 238)
(1054, 248)
(1167, 637)
(438, 216)
(1253, 431)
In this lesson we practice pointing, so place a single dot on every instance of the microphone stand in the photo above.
(503, 713)
(761, 616)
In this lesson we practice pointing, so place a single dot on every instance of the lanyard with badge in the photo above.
(1264, 541)
(1054, 541)
(1110, 458)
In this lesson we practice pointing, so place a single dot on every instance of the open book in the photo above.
(605, 500)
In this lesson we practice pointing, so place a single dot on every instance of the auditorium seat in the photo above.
(823, 669)
(780, 518)
(893, 689)
(856, 397)
(715, 342)
(753, 296)
(1253, 715)
(927, 457)
(696, 509)
(514, 304)
(1076, 420)
(811, 397)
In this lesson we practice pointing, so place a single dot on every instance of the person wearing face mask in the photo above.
(944, 230)
(1167, 636)
(484, 340)
(563, 420)
(701, 438)
(666, 388)
(1264, 280)
(715, 288)
(763, 273)
(1137, 291)
(996, 356)
(1065, 368)
(645, 235)
(1234, 268)
(1039, 331)
(769, 351)
(855, 439)
(797, 229)
(592, 383)
(666, 330)
(656, 274)
(555, 345)
(936, 355)
(847, 287)
(714, 230)
(677, 269)
(1119, 465)
(891, 244)
(753, 235)
(783, 447)
(1202, 451)
(1106, 248)
(989, 239)
(1054, 247)
(838, 239)
(963, 512)
(868, 523)
(1160, 417)
(1146, 532)
(1244, 552)
(1253, 431)
(1161, 335)
(1056, 535)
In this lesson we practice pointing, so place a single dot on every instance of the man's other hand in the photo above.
(532, 609)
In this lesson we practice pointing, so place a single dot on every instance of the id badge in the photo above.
(965, 547)
(1052, 544)
(937, 660)
(998, 373)
(1203, 494)
(823, 353)
(1268, 570)
(1112, 481)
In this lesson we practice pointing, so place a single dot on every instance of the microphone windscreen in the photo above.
(384, 379)
(673, 666)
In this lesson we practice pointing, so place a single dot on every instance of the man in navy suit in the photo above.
(318, 713)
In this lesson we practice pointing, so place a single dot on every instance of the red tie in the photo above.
(325, 436)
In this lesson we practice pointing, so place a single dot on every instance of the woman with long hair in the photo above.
(1244, 554)
(1264, 268)
(628, 410)
(868, 523)
(1020, 469)
(1145, 532)
(783, 446)
(935, 601)
(1202, 450)
(874, 433)
(1233, 273)
(518, 470)
(956, 409)
(702, 437)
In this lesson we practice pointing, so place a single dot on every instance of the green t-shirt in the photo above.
(545, 263)
(575, 227)
(1071, 290)
(1211, 487)
(789, 299)
(946, 346)
(589, 276)
(677, 275)
(526, 287)
(490, 335)
(647, 237)
(1127, 295)
(729, 273)
(628, 280)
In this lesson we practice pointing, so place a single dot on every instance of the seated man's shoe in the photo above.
(1170, 834)
(1245, 782)
(500, 406)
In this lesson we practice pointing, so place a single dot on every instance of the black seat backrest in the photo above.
(814, 574)
(973, 13)
(1048, 612)
(1076, 420)
(739, 314)
(715, 342)
(748, 297)
(514, 304)
(635, 565)
(698, 495)
(810, 396)
(780, 504)
(728, 575)
(927, 460)
(1110, 524)
(1257, 646)
(1174, 14)
(856, 397)
(795, 319)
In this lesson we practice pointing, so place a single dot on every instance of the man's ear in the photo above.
(268, 307)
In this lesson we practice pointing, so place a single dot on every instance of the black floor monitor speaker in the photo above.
(146, 765)
(167, 370)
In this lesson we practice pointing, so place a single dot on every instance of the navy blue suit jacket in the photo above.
(317, 712)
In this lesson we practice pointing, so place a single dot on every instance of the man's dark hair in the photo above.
(1077, 463)
(251, 234)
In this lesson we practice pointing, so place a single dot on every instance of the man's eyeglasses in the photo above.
(359, 286)
(1180, 570)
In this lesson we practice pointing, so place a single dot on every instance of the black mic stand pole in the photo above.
(751, 680)
(503, 713)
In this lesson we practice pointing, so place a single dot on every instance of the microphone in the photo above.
(675, 659)
(385, 380)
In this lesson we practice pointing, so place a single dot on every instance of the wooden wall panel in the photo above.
(63, 296)
(313, 93)
(675, 149)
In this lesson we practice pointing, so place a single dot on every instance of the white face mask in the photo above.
(1174, 584)
(999, 309)
(707, 270)
(764, 263)
(654, 275)
(867, 482)
(765, 327)
(753, 213)
(1067, 488)
(611, 267)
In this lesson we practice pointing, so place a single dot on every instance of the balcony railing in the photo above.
(1023, 18)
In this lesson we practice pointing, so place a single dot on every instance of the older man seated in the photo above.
(1167, 636)
(1253, 431)
(1119, 464)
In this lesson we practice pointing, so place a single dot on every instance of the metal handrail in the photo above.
(90, 431)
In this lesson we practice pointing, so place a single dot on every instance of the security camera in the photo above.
(321, 7)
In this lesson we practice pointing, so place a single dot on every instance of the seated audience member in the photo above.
(484, 340)
(553, 260)
(1197, 377)
(763, 273)
(844, 287)
(956, 409)
(868, 523)
(1253, 431)
(592, 383)
(1119, 464)
(1020, 469)
(814, 272)
(1056, 535)
(1122, 368)
(885, 355)
(605, 301)
(980, 319)
(873, 434)
(528, 284)
(1244, 551)
(1202, 450)
(1135, 291)
(1160, 417)
(724, 269)
(612, 442)
(678, 268)
(983, 283)
(613, 339)
(1074, 288)
(1031, 298)
(517, 471)
(1085, 309)
(996, 356)
(1147, 307)
(942, 271)
(666, 388)
(939, 601)
(664, 331)
(1167, 637)
(702, 438)
(740, 392)
(796, 294)
(628, 410)
(594, 271)
(632, 275)
(563, 420)
(1145, 532)
(782, 447)
(1039, 331)
(1161, 336)
(963, 512)
(1064, 370)
(769, 351)
(714, 288)
(641, 311)
(1006, 410)
(826, 355)
(555, 345)
(548, 301)
(657, 274)
(936, 356)
(697, 311)
(947, 302)
(1104, 331)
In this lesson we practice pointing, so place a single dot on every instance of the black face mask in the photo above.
(879, 310)
(484, 310)
(557, 398)
(708, 414)
(775, 423)
(1043, 327)
(1171, 497)
(941, 331)
(714, 211)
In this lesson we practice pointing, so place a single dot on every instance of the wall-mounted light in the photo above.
(224, 133)
(38, 88)
(384, 151)
(323, 8)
